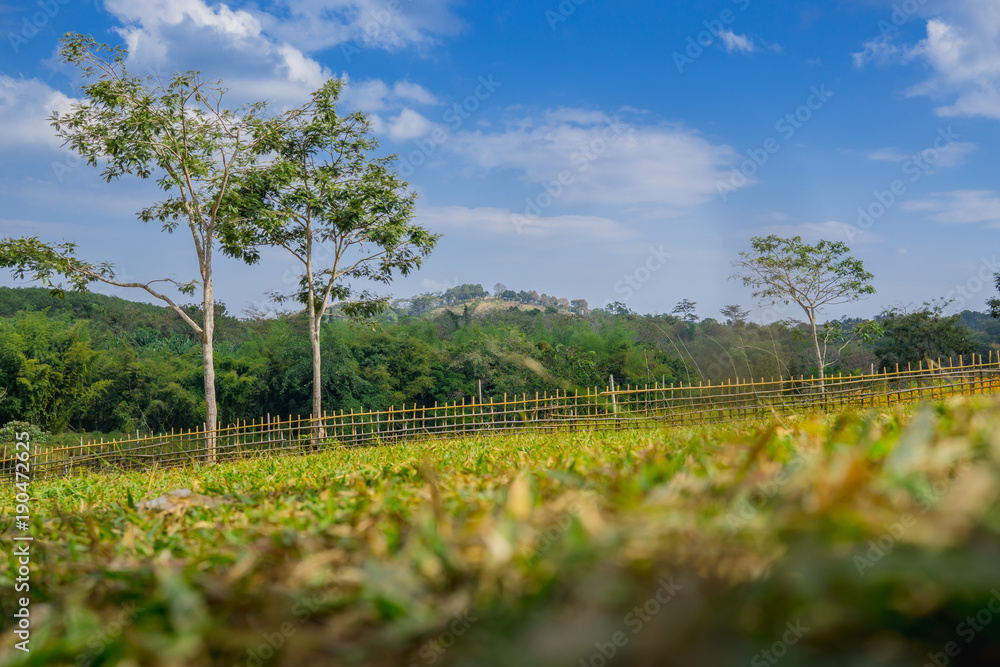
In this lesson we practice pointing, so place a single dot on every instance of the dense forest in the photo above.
(93, 363)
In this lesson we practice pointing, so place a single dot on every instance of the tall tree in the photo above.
(177, 132)
(789, 271)
(685, 310)
(735, 314)
(341, 212)
(618, 308)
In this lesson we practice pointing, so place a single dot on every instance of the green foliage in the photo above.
(788, 271)
(176, 130)
(735, 314)
(464, 294)
(49, 371)
(142, 367)
(10, 431)
(30, 259)
(323, 194)
(923, 335)
(95, 363)
(784, 270)
(685, 309)
(322, 186)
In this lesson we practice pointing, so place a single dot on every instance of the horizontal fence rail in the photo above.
(628, 407)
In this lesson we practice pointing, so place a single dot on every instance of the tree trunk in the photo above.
(315, 322)
(819, 354)
(208, 358)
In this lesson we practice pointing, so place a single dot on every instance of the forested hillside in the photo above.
(103, 364)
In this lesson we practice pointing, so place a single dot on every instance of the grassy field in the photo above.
(851, 539)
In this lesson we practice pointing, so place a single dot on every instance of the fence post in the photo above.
(920, 380)
(614, 399)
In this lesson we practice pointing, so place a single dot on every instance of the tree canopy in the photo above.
(178, 132)
(320, 194)
(814, 277)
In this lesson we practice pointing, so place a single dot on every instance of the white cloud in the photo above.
(603, 160)
(225, 43)
(576, 116)
(262, 55)
(300, 69)
(503, 222)
(408, 125)
(951, 155)
(881, 51)
(413, 92)
(965, 57)
(370, 95)
(315, 25)
(887, 155)
(960, 207)
(375, 95)
(236, 24)
(232, 44)
(733, 42)
(962, 50)
(25, 105)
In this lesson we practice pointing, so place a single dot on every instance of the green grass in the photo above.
(872, 536)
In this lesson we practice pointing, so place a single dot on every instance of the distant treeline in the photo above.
(102, 364)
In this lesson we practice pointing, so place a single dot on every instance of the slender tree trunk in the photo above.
(315, 323)
(208, 358)
(819, 354)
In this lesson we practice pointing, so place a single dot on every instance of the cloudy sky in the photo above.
(596, 149)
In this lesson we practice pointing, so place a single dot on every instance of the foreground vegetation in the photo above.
(856, 539)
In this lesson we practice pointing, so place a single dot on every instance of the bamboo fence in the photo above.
(592, 408)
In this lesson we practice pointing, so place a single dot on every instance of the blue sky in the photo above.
(585, 149)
